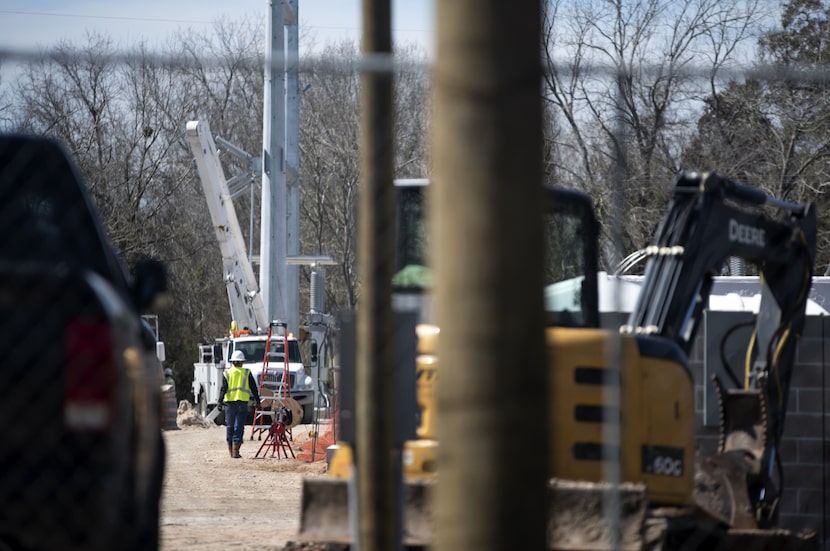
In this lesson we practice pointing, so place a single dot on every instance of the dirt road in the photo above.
(214, 502)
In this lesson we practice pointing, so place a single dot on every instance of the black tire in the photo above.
(149, 530)
(308, 414)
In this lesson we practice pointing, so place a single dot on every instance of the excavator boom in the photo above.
(709, 220)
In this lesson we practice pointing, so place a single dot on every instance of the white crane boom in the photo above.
(247, 306)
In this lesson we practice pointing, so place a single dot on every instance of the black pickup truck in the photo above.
(81, 449)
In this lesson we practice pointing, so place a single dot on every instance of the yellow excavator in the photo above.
(669, 497)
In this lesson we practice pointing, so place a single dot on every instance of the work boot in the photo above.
(235, 451)
(230, 449)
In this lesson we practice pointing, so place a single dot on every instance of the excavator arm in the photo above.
(710, 219)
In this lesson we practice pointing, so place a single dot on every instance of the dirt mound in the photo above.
(186, 416)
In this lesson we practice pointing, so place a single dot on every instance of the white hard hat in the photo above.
(238, 356)
(168, 371)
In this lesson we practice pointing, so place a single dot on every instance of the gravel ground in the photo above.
(214, 502)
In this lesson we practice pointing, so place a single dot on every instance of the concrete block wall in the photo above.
(805, 447)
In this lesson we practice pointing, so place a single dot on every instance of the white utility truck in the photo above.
(250, 324)
(214, 359)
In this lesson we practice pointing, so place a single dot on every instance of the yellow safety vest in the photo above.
(237, 384)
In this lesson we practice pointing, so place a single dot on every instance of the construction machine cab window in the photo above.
(255, 351)
(570, 250)
(570, 266)
(412, 273)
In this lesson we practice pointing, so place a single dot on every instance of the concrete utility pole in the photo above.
(486, 200)
(272, 243)
(292, 161)
(279, 215)
(378, 525)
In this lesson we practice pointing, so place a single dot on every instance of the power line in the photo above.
(163, 20)
(106, 17)
(388, 63)
(335, 28)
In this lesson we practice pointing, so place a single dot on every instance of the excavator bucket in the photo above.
(576, 514)
(721, 480)
(325, 516)
(743, 423)
(720, 491)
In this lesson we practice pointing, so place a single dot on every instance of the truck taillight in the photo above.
(90, 376)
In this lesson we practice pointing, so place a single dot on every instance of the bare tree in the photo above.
(329, 112)
(5, 103)
(412, 111)
(773, 133)
(329, 171)
(124, 123)
(112, 118)
(618, 88)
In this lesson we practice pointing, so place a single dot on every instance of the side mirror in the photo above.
(149, 285)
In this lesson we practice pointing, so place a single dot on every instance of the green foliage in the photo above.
(413, 277)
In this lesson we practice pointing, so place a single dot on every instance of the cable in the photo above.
(630, 261)
(728, 368)
(748, 358)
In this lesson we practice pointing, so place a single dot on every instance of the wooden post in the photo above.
(378, 490)
(488, 242)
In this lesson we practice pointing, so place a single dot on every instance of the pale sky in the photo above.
(26, 25)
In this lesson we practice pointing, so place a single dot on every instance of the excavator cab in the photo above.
(570, 254)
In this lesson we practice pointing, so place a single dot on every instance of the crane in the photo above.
(247, 306)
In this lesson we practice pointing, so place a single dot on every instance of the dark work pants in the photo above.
(235, 415)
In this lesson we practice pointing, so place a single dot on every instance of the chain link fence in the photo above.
(82, 456)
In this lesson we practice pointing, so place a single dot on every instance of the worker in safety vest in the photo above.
(238, 385)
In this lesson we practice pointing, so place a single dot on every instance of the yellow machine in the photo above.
(657, 414)
(709, 220)
(420, 456)
(635, 383)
